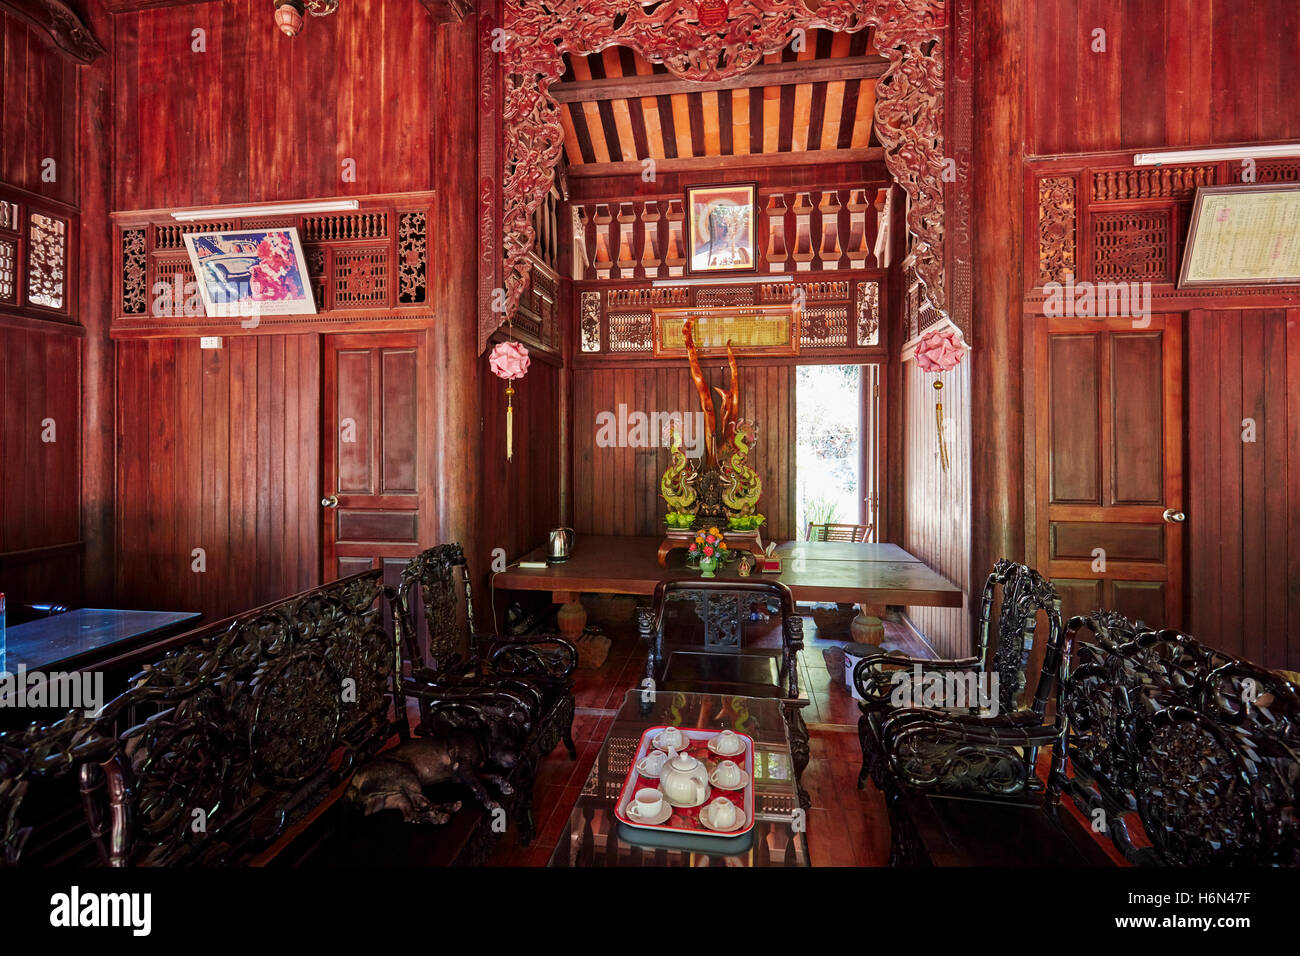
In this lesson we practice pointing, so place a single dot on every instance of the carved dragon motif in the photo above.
(743, 486)
(677, 486)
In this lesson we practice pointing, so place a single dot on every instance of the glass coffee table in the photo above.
(595, 837)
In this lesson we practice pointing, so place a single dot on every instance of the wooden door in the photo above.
(1108, 420)
(372, 446)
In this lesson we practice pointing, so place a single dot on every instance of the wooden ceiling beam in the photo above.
(811, 157)
(767, 74)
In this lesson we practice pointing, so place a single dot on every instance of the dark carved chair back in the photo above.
(213, 747)
(1204, 748)
(1025, 594)
(441, 575)
(724, 607)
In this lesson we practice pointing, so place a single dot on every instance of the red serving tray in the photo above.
(687, 820)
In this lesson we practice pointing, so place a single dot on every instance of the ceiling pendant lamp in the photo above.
(289, 13)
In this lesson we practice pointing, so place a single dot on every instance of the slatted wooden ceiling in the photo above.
(817, 99)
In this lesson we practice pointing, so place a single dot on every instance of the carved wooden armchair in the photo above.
(969, 725)
(516, 691)
(714, 657)
(1201, 747)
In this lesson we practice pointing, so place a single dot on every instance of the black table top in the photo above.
(65, 638)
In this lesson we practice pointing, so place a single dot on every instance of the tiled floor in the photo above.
(846, 826)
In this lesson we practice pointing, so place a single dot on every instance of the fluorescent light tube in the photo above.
(280, 209)
(1216, 154)
(729, 280)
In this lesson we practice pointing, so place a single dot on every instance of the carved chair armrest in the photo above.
(874, 676)
(1020, 729)
(930, 750)
(546, 656)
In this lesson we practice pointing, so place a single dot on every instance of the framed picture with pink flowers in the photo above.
(251, 272)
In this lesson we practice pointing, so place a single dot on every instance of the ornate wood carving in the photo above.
(61, 24)
(1099, 218)
(710, 41)
(590, 322)
(38, 243)
(373, 260)
(836, 315)
(868, 313)
(1056, 227)
(133, 272)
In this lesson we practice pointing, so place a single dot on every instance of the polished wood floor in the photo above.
(846, 826)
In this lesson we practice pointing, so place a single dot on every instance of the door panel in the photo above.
(372, 447)
(1109, 464)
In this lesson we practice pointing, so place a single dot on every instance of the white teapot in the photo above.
(685, 781)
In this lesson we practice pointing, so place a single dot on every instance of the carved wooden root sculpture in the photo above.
(395, 780)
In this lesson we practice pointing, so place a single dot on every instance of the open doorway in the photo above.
(837, 446)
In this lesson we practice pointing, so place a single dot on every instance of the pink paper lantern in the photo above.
(940, 351)
(509, 360)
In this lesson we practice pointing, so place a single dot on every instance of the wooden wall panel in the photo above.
(260, 117)
(1174, 73)
(937, 503)
(1243, 514)
(218, 449)
(40, 366)
(616, 490)
(521, 497)
(40, 508)
(38, 113)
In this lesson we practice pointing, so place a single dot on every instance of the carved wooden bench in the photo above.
(215, 747)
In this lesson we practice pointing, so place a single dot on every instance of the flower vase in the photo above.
(707, 566)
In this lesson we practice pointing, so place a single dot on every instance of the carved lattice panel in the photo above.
(1057, 217)
(1132, 245)
(47, 262)
(8, 272)
(724, 295)
(825, 326)
(9, 215)
(631, 332)
(361, 278)
(868, 303)
(589, 321)
(412, 255)
(1268, 171)
(135, 273)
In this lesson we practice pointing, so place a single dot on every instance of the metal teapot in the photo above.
(560, 545)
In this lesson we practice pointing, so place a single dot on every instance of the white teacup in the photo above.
(653, 762)
(671, 737)
(647, 804)
(728, 742)
(722, 813)
(727, 774)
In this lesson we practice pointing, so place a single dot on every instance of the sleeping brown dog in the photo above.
(395, 779)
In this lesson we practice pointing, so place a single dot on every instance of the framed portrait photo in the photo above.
(1243, 235)
(251, 272)
(721, 233)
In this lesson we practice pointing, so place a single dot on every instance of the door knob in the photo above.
(1174, 517)
(331, 502)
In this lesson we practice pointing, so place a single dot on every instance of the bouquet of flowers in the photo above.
(708, 548)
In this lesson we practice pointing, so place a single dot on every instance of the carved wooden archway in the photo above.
(706, 40)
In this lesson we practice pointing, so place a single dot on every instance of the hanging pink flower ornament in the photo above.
(509, 360)
(940, 352)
